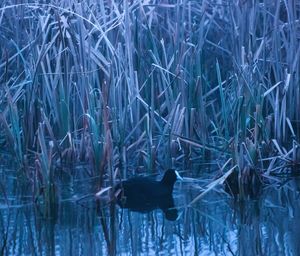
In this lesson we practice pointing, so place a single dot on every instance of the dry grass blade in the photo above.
(102, 191)
(212, 185)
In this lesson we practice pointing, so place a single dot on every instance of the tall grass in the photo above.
(130, 84)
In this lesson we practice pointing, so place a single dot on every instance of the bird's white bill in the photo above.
(178, 176)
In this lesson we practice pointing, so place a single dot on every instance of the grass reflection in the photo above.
(218, 224)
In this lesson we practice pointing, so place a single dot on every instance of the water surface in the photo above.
(215, 225)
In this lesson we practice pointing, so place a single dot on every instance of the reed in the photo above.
(150, 84)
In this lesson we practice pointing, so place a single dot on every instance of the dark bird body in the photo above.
(144, 194)
(144, 188)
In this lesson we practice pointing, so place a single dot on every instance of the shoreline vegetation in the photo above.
(128, 84)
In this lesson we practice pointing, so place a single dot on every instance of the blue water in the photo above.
(215, 225)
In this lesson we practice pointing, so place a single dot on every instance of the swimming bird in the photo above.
(144, 189)
(143, 194)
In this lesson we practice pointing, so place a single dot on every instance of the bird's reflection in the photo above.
(166, 204)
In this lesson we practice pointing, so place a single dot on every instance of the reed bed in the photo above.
(126, 85)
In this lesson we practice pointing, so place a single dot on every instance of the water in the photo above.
(215, 225)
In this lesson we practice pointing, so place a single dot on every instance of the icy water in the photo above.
(215, 225)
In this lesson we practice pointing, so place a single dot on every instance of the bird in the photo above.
(143, 194)
(144, 188)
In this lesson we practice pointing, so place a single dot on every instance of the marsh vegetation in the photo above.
(105, 90)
